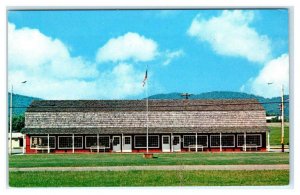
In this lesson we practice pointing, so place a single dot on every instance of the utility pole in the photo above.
(186, 95)
(10, 118)
(10, 124)
(282, 119)
(282, 116)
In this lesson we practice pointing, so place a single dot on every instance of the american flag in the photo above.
(146, 75)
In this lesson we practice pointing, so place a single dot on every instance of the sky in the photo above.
(103, 54)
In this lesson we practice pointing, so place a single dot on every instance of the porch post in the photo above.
(220, 141)
(245, 142)
(73, 147)
(24, 143)
(121, 142)
(268, 140)
(48, 144)
(97, 142)
(172, 142)
(196, 143)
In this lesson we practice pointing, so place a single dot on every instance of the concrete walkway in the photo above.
(164, 167)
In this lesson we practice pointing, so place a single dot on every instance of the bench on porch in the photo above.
(194, 147)
(42, 149)
(250, 146)
(95, 148)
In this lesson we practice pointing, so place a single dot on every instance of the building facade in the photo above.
(16, 145)
(72, 126)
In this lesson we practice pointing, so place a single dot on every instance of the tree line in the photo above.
(18, 123)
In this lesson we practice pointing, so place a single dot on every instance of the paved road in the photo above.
(169, 167)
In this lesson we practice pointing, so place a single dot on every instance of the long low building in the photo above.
(71, 126)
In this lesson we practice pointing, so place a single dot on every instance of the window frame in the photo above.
(221, 140)
(98, 140)
(195, 140)
(42, 136)
(86, 141)
(260, 137)
(108, 140)
(74, 142)
(146, 141)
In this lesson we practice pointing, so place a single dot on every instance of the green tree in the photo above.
(18, 123)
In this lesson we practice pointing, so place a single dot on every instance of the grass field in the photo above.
(275, 136)
(148, 178)
(151, 178)
(80, 160)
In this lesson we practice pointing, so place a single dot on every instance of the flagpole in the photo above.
(147, 110)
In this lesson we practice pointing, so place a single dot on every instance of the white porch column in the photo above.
(196, 143)
(48, 144)
(73, 147)
(220, 141)
(245, 141)
(268, 141)
(97, 142)
(172, 142)
(121, 142)
(24, 143)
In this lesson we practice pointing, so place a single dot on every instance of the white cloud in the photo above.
(124, 81)
(52, 73)
(276, 72)
(170, 55)
(32, 51)
(130, 46)
(230, 34)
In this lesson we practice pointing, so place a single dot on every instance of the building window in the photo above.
(153, 141)
(176, 140)
(90, 141)
(78, 142)
(214, 141)
(104, 141)
(141, 140)
(251, 139)
(116, 140)
(21, 142)
(202, 140)
(227, 141)
(37, 142)
(127, 140)
(191, 140)
(66, 142)
(166, 140)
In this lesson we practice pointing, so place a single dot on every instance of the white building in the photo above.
(18, 143)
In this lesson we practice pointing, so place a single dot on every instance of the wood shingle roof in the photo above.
(130, 116)
(140, 105)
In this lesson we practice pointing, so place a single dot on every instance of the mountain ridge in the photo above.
(271, 105)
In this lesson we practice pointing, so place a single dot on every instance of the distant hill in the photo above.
(20, 103)
(271, 108)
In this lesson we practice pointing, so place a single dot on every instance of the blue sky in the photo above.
(102, 54)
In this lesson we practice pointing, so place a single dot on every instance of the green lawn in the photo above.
(151, 178)
(275, 136)
(148, 178)
(85, 160)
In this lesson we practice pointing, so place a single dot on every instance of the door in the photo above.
(126, 144)
(176, 143)
(166, 143)
(116, 143)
